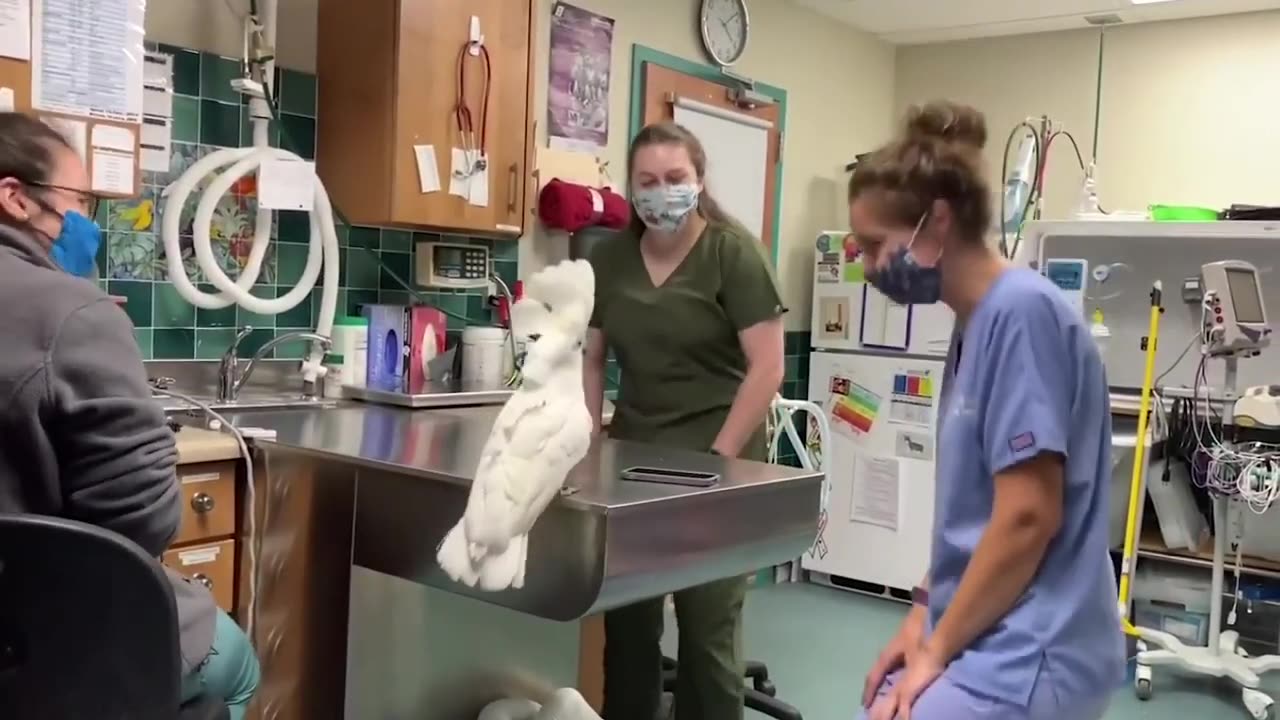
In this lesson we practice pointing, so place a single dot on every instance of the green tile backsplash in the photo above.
(209, 115)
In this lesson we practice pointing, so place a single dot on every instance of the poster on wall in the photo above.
(578, 88)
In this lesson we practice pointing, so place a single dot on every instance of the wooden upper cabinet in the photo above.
(388, 74)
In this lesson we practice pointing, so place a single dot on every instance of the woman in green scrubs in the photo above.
(688, 303)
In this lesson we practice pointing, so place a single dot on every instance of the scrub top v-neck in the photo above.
(676, 342)
(1030, 381)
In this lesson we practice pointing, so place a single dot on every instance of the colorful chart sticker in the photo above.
(912, 400)
(856, 408)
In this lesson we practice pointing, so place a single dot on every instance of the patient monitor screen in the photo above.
(1243, 286)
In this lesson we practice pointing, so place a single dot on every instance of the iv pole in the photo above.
(1223, 656)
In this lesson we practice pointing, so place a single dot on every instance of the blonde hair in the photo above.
(937, 156)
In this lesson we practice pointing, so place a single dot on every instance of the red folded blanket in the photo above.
(572, 207)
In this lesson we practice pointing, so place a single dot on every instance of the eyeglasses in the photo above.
(90, 200)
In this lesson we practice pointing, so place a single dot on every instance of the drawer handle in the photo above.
(203, 580)
(202, 502)
(512, 175)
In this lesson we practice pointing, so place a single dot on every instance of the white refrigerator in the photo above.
(876, 370)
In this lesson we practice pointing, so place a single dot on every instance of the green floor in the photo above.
(818, 644)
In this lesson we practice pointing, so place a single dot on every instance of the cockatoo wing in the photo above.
(512, 483)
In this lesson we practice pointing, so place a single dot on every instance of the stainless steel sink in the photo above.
(276, 386)
(247, 401)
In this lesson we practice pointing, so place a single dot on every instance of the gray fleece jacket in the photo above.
(80, 436)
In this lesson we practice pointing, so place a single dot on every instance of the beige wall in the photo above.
(1188, 116)
(839, 85)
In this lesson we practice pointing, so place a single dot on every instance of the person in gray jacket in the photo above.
(82, 437)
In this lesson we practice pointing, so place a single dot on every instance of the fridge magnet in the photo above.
(828, 268)
(854, 272)
(853, 408)
(850, 247)
(914, 445)
(911, 402)
(819, 548)
(833, 317)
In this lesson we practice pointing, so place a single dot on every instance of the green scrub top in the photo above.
(677, 344)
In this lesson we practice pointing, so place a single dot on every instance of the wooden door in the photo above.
(662, 86)
(432, 34)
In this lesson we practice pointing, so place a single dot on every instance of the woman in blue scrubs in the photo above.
(1017, 619)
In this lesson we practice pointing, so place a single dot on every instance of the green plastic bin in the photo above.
(1182, 213)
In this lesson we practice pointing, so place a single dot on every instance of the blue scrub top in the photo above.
(1025, 378)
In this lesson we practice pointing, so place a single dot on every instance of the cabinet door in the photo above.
(432, 35)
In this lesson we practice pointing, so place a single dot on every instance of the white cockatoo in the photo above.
(542, 432)
(564, 704)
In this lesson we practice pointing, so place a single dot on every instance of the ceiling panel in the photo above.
(923, 21)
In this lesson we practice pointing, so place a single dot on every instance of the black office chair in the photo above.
(760, 696)
(88, 627)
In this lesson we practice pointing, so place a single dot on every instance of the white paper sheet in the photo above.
(876, 488)
(157, 71)
(459, 174)
(157, 102)
(155, 144)
(885, 323)
(154, 160)
(287, 185)
(111, 137)
(15, 29)
(87, 58)
(112, 172)
(75, 131)
(428, 168)
(478, 190)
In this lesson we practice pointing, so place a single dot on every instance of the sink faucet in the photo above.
(231, 380)
(514, 379)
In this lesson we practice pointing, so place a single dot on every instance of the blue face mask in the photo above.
(76, 248)
(904, 280)
(665, 207)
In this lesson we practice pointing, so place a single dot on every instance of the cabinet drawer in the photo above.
(213, 564)
(208, 501)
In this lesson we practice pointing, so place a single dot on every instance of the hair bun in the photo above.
(948, 122)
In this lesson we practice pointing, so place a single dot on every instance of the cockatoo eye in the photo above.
(547, 306)
(533, 337)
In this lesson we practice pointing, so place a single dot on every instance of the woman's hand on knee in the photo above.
(908, 639)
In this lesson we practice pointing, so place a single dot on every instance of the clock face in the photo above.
(724, 29)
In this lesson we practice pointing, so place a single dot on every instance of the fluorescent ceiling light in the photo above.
(1147, 2)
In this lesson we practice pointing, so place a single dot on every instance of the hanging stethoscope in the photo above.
(474, 144)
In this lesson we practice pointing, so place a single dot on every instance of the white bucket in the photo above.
(486, 362)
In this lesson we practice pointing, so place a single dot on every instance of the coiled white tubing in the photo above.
(323, 245)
